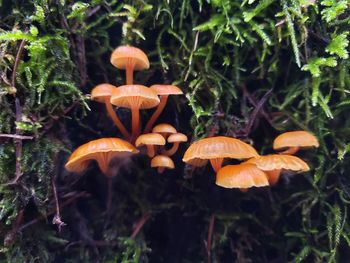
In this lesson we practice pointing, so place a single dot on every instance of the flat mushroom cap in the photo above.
(164, 128)
(102, 150)
(279, 161)
(134, 96)
(102, 91)
(150, 139)
(295, 139)
(166, 89)
(217, 147)
(121, 55)
(241, 176)
(177, 137)
(162, 161)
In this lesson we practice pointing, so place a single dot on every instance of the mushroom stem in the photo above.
(129, 68)
(172, 150)
(216, 163)
(160, 170)
(159, 110)
(135, 124)
(210, 236)
(273, 176)
(243, 190)
(291, 150)
(150, 151)
(115, 119)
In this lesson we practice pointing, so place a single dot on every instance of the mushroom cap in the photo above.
(164, 128)
(102, 150)
(241, 176)
(150, 139)
(134, 96)
(166, 89)
(279, 161)
(295, 139)
(102, 91)
(162, 161)
(217, 147)
(177, 137)
(122, 54)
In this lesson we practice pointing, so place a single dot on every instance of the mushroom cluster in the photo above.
(257, 170)
(134, 97)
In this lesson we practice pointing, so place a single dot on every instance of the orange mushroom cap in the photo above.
(166, 89)
(164, 128)
(134, 96)
(177, 137)
(241, 176)
(295, 139)
(150, 139)
(217, 147)
(163, 162)
(102, 150)
(102, 91)
(122, 54)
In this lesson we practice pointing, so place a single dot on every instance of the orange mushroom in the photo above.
(134, 97)
(150, 139)
(102, 93)
(294, 140)
(102, 151)
(175, 138)
(215, 149)
(274, 163)
(162, 162)
(164, 129)
(163, 91)
(241, 176)
(129, 58)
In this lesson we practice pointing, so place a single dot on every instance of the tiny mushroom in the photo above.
(274, 163)
(162, 162)
(150, 139)
(215, 149)
(134, 97)
(102, 93)
(163, 91)
(129, 58)
(294, 140)
(164, 129)
(102, 151)
(176, 139)
(242, 176)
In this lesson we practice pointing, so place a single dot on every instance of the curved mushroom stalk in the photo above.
(291, 150)
(156, 114)
(172, 150)
(273, 176)
(216, 163)
(115, 119)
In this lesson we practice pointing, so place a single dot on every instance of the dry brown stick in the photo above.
(16, 136)
(140, 223)
(57, 217)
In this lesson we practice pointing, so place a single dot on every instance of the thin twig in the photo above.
(210, 236)
(140, 223)
(16, 136)
(57, 218)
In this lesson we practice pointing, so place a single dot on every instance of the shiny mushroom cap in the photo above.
(295, 139)
(217, 147)
(241, 176)
(279, 161)
(177, 137)
(134, 96)
(166, 90)
(102, 91)
(101, 150)
(150, 139)
(122, 54)
(162, 161)
(164, 128)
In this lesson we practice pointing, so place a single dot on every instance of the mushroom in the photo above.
(150, 139)
(162, 162)
(163, 91)
(164, 129)
(129, 58)
(294, 140)
(242, 176)
(134, 97)
(102, 93)
(215, 149)
(175, 138)
(102, 151)
(274, 163)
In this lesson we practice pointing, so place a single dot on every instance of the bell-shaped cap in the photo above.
(295, 139)
(166, 90)
(124, 54)
(241, 176)
(162, 161)
(102, 91)
(177, 137)
(164, 128)
(102, 151)
(134, 96)
(217, 148)
(150, 139)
